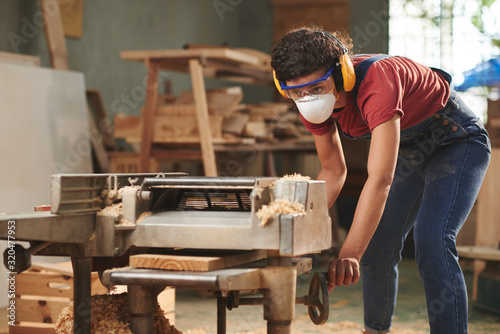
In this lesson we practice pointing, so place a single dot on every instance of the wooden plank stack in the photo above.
(230, 121)
(41, 293)
(44, 290)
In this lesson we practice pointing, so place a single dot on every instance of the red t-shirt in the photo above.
(394, 85)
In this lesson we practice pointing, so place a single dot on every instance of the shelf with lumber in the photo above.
(206, 118)
(202, 126)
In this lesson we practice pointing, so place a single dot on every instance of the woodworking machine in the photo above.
(100, 220)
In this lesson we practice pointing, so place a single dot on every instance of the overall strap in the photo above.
(362, 68)
(361, 71)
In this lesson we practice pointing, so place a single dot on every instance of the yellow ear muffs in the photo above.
(348, 74)
(348, 79)
(278, 86)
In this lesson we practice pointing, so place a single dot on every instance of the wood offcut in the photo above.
(204, 262)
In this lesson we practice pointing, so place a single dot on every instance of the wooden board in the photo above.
(43, 310)
(19, 59)
(479, 253)
(487, 222)
(32, 328)
(202, 118)
(72, 17)
(221, 62)
(488, 219)
(235, 123)
(43, 284)
(166, 129)
(493, 124)
(96, 103)
(193, 263)
(44, 128)
(219, 101)
(55, 34)
(222, 54)
(147, 128)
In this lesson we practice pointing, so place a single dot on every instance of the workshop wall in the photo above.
(114, 25)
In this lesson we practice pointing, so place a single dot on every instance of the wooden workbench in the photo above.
(243, 66)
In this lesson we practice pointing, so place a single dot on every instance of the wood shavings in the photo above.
(295, 177)
(283, 206)
(109, 315)
(143, 215)
(291, 177)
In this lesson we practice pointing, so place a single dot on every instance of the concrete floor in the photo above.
(195, 314)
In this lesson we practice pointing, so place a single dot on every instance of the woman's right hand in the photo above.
(343, 271)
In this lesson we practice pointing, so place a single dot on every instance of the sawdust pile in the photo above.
(109, 315)
(283, 206)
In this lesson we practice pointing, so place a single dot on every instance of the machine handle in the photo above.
(317, 301)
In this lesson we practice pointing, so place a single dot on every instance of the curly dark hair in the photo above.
(306, 50)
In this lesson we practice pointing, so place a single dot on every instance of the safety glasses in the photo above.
(319, 86)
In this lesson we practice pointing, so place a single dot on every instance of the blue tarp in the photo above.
(484, 74)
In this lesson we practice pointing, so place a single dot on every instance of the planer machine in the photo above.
(101, 220)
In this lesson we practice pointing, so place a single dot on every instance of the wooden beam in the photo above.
(96, 103)
(200, 99)
(149, 114)
(96, 139)
(487, 227)
(55, 34)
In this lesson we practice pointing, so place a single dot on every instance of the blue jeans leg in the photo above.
(440, 169)
(453, 179)
(380, 261)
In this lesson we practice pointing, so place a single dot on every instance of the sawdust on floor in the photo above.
(343, 327)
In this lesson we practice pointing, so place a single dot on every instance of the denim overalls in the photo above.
(441, 165)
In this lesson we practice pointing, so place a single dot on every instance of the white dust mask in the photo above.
(316, 108)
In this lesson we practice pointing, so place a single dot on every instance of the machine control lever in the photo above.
(317, 300)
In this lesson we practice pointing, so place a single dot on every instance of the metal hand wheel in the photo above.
(317, 301)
